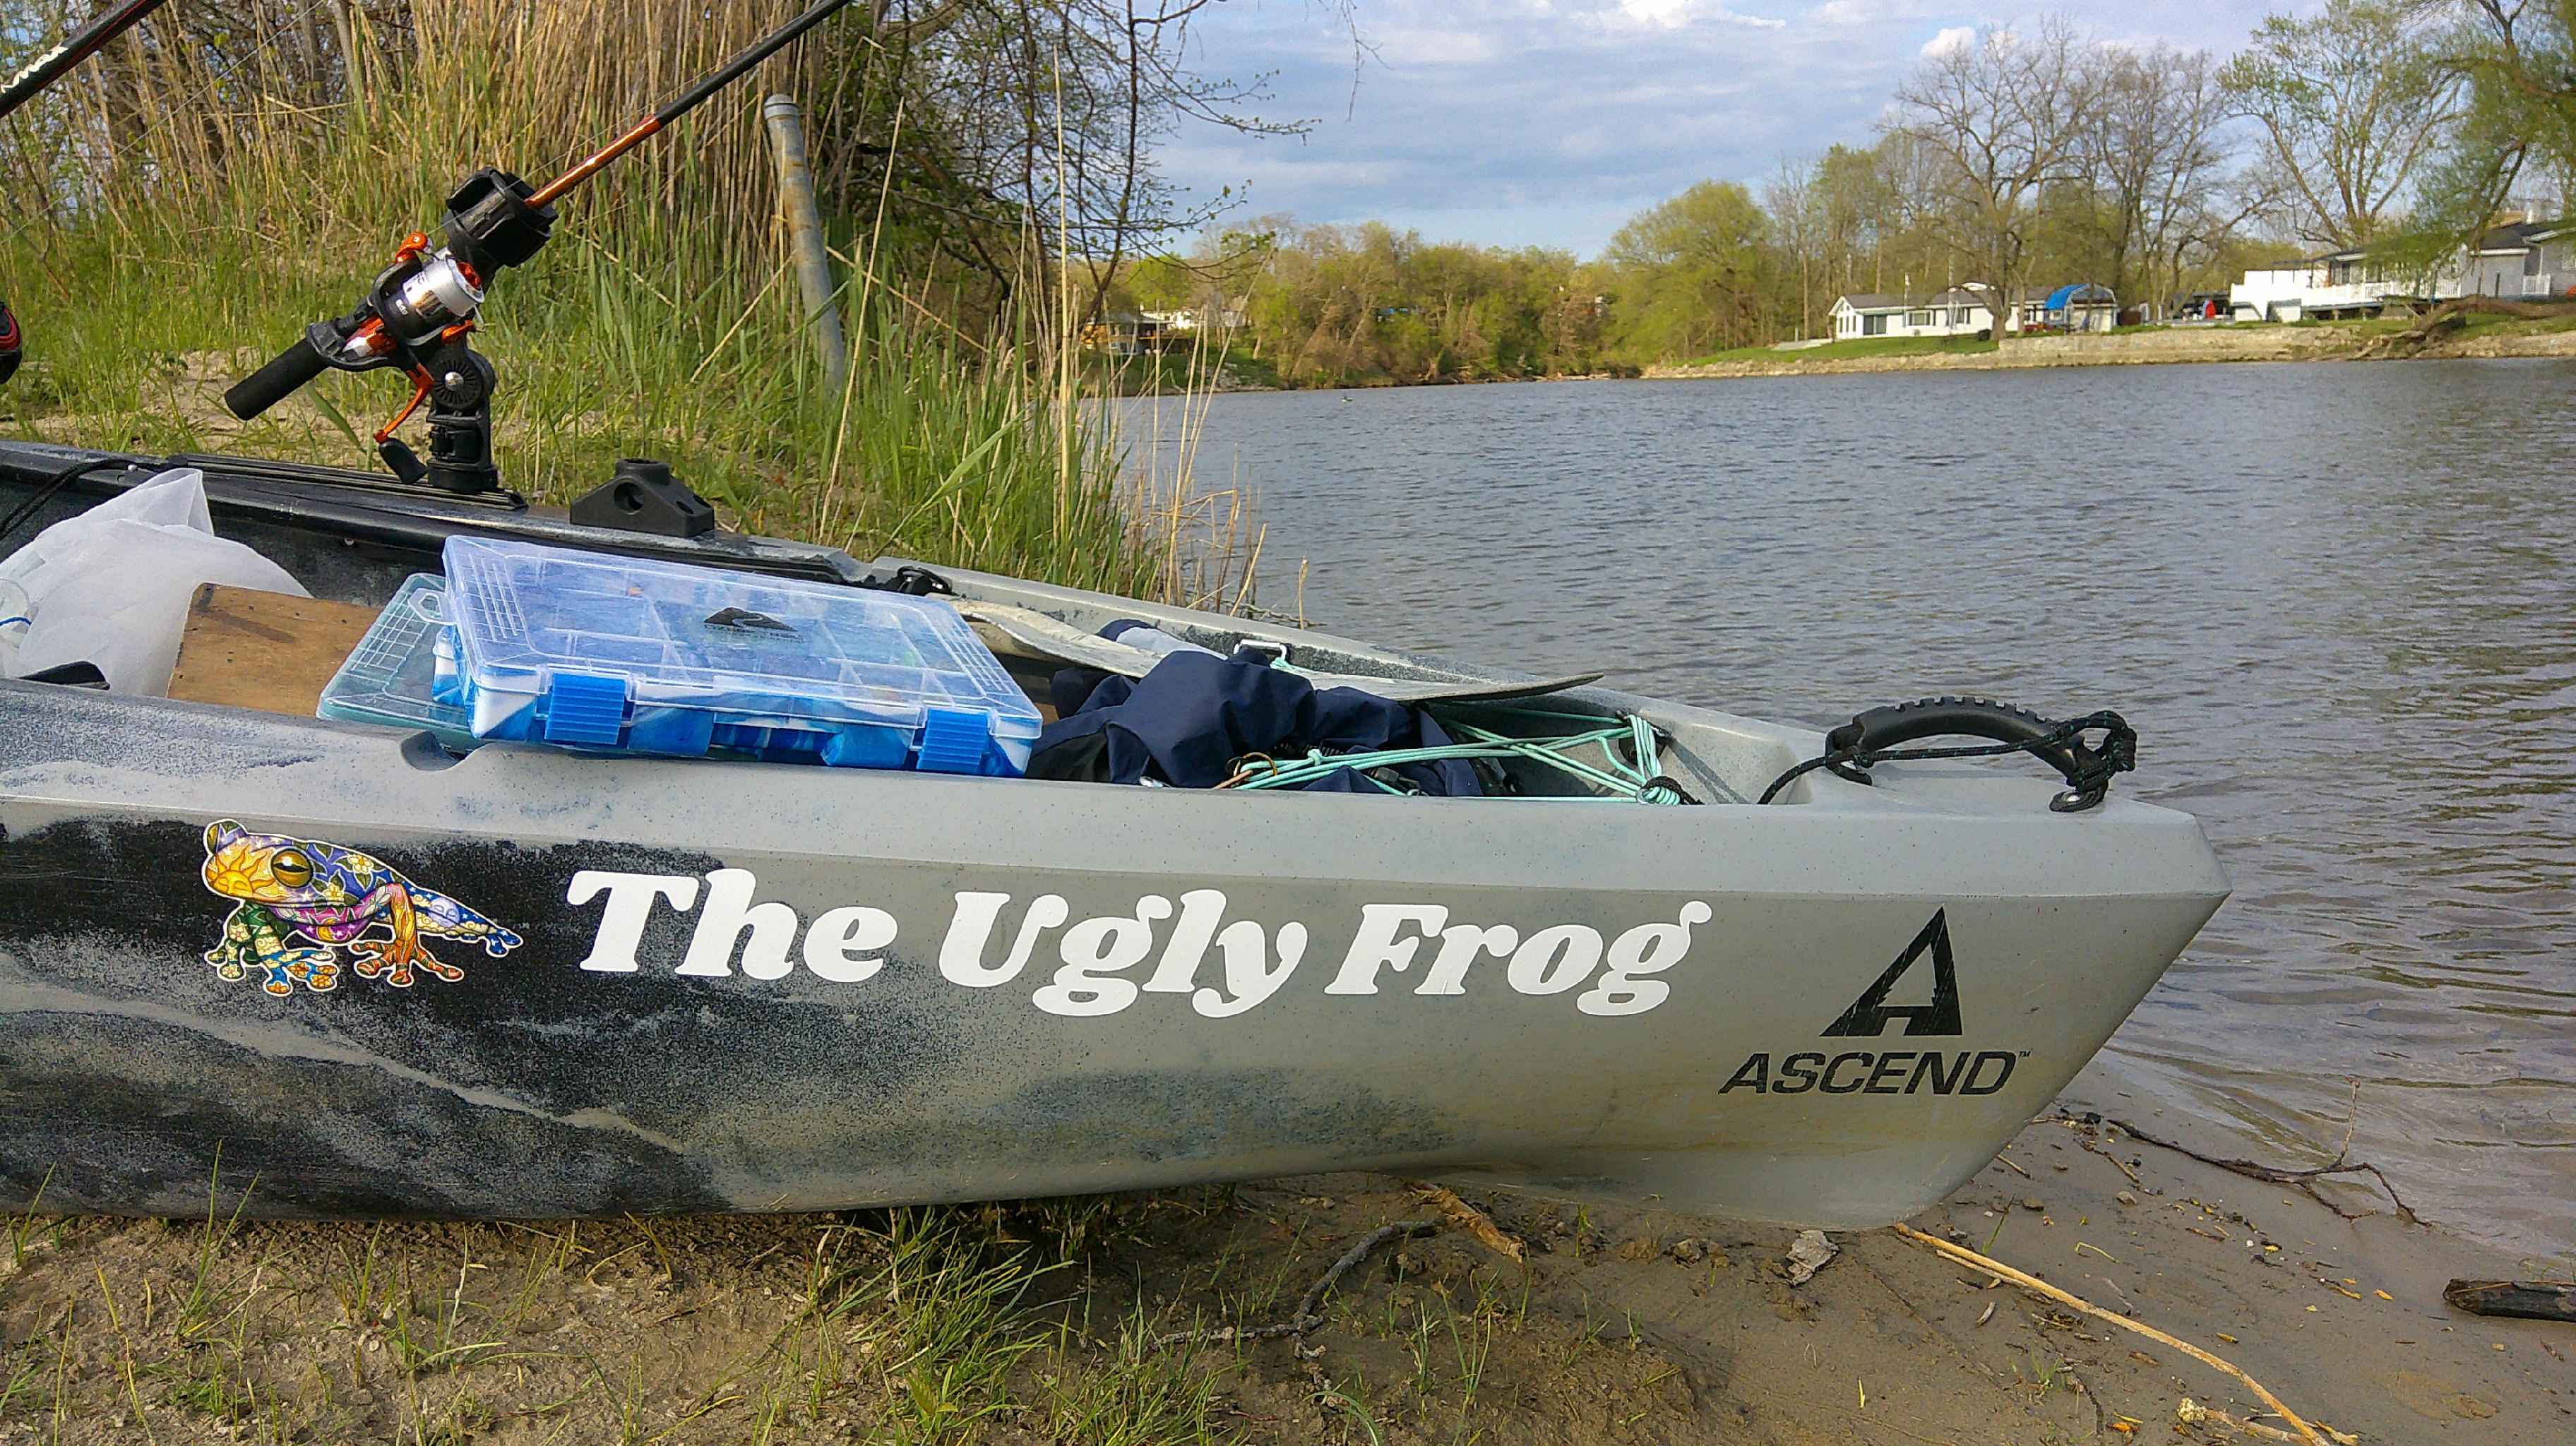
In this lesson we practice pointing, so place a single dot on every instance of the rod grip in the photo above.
(276, 381)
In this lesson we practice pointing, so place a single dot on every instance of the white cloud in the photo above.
(1435, 45)
(1950, 39)
(1517, 122)
(1677, 14)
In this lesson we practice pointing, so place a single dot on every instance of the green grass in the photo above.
(1840, 350)
(932, 450)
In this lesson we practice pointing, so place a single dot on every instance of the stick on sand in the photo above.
(2033, 1283)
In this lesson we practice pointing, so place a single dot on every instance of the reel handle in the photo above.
(278, 380)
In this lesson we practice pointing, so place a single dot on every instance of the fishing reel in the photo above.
(417, 318)
(421, 310)
(10, 342)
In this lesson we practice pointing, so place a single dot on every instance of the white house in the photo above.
(2337, 284)
(1956, 312)
(2526, 260)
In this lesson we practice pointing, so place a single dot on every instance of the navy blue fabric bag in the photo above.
(1186, 722)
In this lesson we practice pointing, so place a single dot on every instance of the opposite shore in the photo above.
(2551, 337)
(2196, 344)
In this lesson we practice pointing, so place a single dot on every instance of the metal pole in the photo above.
(805, 234)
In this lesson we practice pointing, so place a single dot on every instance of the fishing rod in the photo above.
(31, 79)
(77, 47)
(420, 311)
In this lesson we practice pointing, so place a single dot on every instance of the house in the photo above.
(2335, 285)
(1123, 333)
(1141, 333)
(1956, 312)
(1866, 314)
(2528, 259)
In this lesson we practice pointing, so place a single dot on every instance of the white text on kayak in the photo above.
(1103, 964)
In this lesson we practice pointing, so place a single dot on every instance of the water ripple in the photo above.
(2335, 599)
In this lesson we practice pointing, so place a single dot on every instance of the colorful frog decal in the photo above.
(291, 887)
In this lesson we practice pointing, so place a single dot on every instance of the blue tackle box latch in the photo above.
(952, 740)
(585, 708)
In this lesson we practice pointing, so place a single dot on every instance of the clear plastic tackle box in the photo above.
(392, 676)
(600, 652)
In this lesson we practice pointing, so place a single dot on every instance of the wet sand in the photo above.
(2343, 1320)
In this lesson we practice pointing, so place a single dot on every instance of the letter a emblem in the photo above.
(1869, 1014)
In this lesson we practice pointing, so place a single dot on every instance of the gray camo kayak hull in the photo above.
(747, 987)
(999, 1046)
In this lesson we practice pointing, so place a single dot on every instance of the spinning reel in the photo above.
(420, 312)
(418, 317)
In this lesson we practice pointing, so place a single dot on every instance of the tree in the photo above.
(1993, 123)
(1793, 201)
(2160, 157)
(1694, 273)
(2517, 63)
(2351, 103)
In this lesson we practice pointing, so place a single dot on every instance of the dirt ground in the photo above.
(1053, 1322)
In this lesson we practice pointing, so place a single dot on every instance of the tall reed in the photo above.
(195, 201)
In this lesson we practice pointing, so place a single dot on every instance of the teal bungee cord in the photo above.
(1620, 780)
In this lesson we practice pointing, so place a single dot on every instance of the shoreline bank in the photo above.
(1622, 1326)
(2285, 343)
(2215, 344)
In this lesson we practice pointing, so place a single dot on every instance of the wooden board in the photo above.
(264, 650)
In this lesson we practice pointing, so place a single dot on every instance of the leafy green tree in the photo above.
(2352, 104)
(2517, 62)
(1333, 305)
(1696, 273)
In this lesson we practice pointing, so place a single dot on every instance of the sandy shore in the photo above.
(2212, 344)
(1040, 1324)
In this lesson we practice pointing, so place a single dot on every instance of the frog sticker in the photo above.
(298, 902)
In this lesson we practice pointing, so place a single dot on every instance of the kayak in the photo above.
(298, 967)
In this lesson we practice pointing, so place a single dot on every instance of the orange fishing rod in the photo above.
(420, 313)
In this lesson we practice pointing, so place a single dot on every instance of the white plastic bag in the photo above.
(111, 586)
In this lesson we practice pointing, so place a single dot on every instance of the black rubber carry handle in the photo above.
(276, 381)
(2087, 769)
(1882, 728)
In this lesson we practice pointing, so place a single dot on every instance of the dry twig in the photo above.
(1464, 1216)
(2192, 1413)
(1308, 1314)
(2304, 1181)
(2034, 1284)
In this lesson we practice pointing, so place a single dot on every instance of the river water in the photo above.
(2335, 600)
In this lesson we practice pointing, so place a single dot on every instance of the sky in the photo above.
(1549, 122)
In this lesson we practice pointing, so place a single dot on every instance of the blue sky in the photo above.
(1547, 122)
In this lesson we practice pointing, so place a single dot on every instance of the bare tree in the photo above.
(1996, 121)
(1797, 227)
(2351, 104)
(2160, 153)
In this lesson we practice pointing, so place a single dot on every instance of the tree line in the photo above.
(2011, 159)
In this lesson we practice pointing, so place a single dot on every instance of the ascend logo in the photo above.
(1901, 1071)
(1870, 1014)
